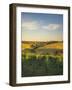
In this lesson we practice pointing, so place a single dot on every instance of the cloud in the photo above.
(52, 27)
(30, 25)
(34, 25)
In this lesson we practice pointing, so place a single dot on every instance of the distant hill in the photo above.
(55, 45)
(42, 45)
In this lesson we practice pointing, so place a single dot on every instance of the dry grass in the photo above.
(53, 45)
(58, 45)
(26, 46)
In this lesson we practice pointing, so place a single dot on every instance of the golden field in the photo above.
(42, 45)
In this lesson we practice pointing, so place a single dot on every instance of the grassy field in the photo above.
(42, 58)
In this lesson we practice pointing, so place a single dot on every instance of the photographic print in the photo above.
(39, 44)
(42, 44)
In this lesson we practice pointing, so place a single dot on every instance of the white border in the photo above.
(63, 77)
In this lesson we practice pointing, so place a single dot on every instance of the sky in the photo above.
(41, 27)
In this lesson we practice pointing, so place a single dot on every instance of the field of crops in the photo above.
(39, 65)
(42, 62)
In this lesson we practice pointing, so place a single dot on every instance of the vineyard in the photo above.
(39, 60)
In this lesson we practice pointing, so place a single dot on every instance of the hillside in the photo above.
(53, 46)
(42, 45)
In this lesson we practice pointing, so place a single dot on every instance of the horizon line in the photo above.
(44, 41)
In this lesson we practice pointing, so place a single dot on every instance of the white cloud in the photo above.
(30, 25)
(52, 27)
(34, 25)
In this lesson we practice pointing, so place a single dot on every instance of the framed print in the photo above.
(39, 44)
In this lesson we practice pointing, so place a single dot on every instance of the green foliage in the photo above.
(41, 65)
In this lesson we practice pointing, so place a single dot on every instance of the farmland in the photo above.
(42, 58)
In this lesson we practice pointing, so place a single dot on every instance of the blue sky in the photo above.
(41, 27)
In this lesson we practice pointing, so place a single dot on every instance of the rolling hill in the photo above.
(42, 45)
